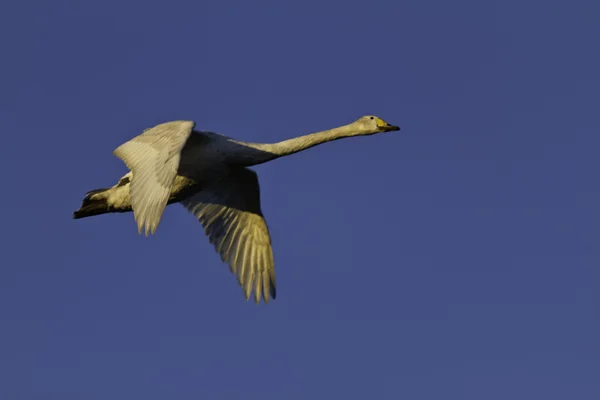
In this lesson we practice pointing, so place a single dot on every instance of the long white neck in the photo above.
(264, 152)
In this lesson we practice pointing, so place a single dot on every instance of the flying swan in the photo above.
(207, 173)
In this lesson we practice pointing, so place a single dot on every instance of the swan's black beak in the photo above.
(390, 128)
(384, 126)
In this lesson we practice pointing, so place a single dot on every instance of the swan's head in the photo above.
(371, 124)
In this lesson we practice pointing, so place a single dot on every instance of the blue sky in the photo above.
(455, 259)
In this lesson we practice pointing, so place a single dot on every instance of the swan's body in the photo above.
(207, 173)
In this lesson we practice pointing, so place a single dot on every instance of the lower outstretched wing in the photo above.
(230, 214)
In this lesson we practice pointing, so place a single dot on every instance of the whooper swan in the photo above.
(207, 173)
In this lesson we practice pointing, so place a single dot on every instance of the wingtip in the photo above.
(265, 296)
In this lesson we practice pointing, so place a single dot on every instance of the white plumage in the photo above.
(207, 173)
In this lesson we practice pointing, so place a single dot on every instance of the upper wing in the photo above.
(230, 214)
(153, 157)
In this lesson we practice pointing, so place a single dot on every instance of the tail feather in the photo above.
(92, 192)
(90, 207)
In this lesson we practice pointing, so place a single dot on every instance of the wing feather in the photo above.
(153, 157)
(230, 214)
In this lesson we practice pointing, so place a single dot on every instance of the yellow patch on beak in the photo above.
(380, 123)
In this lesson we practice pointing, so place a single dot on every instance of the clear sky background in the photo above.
(456, 259)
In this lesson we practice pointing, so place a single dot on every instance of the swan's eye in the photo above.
(372, 118)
